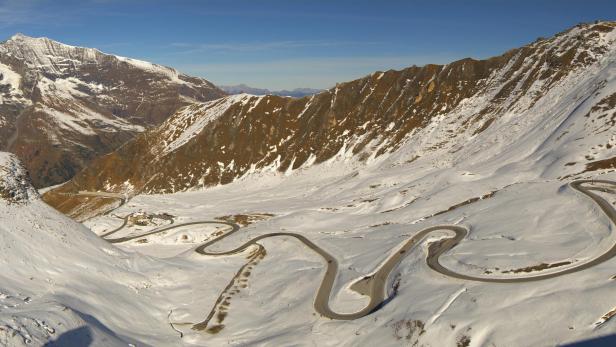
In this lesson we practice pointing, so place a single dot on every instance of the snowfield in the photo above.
(523, 225)
(62, 282)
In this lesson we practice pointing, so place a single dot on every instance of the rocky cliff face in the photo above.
(15, 185)
(431, 111)
(63, 106)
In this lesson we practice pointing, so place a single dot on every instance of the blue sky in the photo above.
(296, 43)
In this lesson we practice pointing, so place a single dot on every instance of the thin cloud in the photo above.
(188, 48)
(316, 15)
(48, 13)
(30, 12)
(13, 12)
(324, 63)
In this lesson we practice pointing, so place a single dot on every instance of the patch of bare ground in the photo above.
(606, 317)
(410, 330)
(381, 224)
(221, 308)
(149, 219)
(604, 164)
(246, 219)
(601, 111)
(540, 267)
(368, 200)
(466, 202)
(463, 203)
(8, 196)
(81, 207)
(395, 287)
(463, 341)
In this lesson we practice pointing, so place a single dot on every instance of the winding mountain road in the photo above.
(375, 284)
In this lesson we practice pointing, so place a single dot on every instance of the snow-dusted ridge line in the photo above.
(192, 119)
(479, 118)
(38, 47)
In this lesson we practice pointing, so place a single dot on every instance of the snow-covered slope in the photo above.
(361, 215)
(41, 252)
(64, 105)
(63, 285)
(489, 146)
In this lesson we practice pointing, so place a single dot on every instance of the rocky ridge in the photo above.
(423, 112)
(15, 185)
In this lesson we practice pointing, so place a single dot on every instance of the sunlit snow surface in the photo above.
(57, 272)
(525, 224)
(57, 277)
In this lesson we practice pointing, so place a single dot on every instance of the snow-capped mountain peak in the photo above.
(64, 105)
(47, 55)
(56, 58)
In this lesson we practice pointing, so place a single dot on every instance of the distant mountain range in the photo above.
(296, 93)
(62, 106)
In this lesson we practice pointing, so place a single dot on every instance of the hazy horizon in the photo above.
(304, 44)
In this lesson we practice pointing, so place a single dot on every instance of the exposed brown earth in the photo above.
(246, 219)
(464, 203)
(149, 219)
(410, 330)
(540, 267)
(604, 109)
(82, 207)
(15, 185)
(237, 283)
(609, 163)
(606, 317)
(463, 341)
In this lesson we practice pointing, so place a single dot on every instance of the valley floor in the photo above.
(265, 296)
